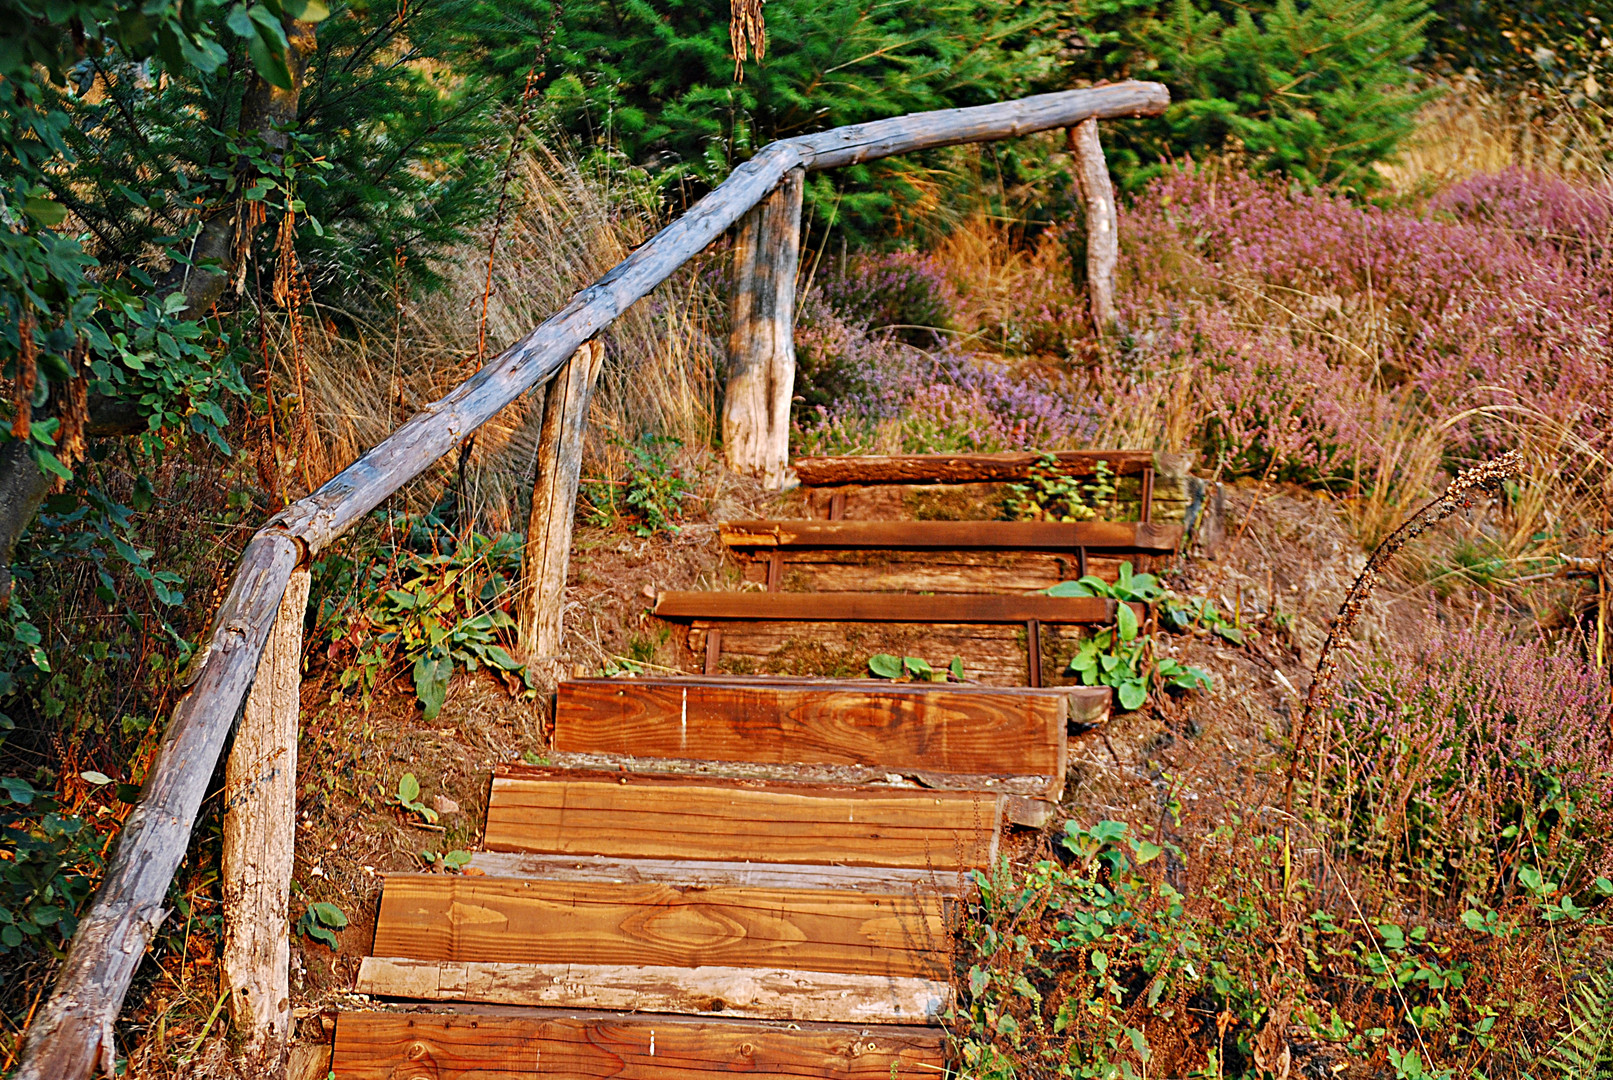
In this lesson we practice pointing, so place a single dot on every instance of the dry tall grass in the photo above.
(569, 223)
(1469, 130)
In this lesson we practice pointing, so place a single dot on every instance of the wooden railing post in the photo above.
(1103, 236)
(761, 344)
(260, 837)
(554, 503)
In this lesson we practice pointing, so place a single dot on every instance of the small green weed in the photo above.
(320, 922)
(1052, 494)
(430, 614)
(408, 798)
(651, 494)
(451, 861)
(911, 668)
(1124, 658)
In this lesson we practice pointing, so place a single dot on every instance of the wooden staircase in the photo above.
(750, 871)
(762, 886)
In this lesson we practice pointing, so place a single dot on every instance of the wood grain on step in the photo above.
(969, 731)
(956, 535)
(761, 993)
(440, 917)
(636, 816)
(513, 1044)
(885, 607)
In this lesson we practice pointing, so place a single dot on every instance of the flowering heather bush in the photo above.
(1472, 754)
(903, 289)
(864, 390)
(1310, 319)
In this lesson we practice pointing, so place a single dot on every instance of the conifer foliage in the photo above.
(1320, 90)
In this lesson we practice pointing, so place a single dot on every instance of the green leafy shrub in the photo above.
(1053, 494)
(1056, 965)
(651, 494)
(53, 864)
(1122, 656)
(429, 614)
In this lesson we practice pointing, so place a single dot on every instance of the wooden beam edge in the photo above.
(758, 993)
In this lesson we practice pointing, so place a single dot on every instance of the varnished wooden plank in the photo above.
(442, 917)
(959, 468)
(470, 1043)
(939, 728)
(762, 993)
(713, 874)
(1172, 498)
(574, 812)
(883, 607)
(957, 535)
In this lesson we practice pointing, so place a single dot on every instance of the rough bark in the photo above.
(72, 1032)
(761, 344)
(260, 825)
(22, 488)
(554, 502)
(1103, 237)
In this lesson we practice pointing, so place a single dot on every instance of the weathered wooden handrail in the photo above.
(72, 1032)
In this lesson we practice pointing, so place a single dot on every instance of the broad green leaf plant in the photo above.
(914, 669)
(1122, 657)
(428, 614)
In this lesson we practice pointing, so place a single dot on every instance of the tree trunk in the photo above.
(1103, 237)
(216, 253)
(267, 112)
(554, 502)
(260, 824)
(761, 345)
(23, 487)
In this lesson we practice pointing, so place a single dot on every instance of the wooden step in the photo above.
(960, 468)
(831, 570)
(716, 874)
(994, 655)
(546, 921)
(885, 607)
(1048, 536)
(486, 1043)
(938, 728)
(759, 993)
(580, 812)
